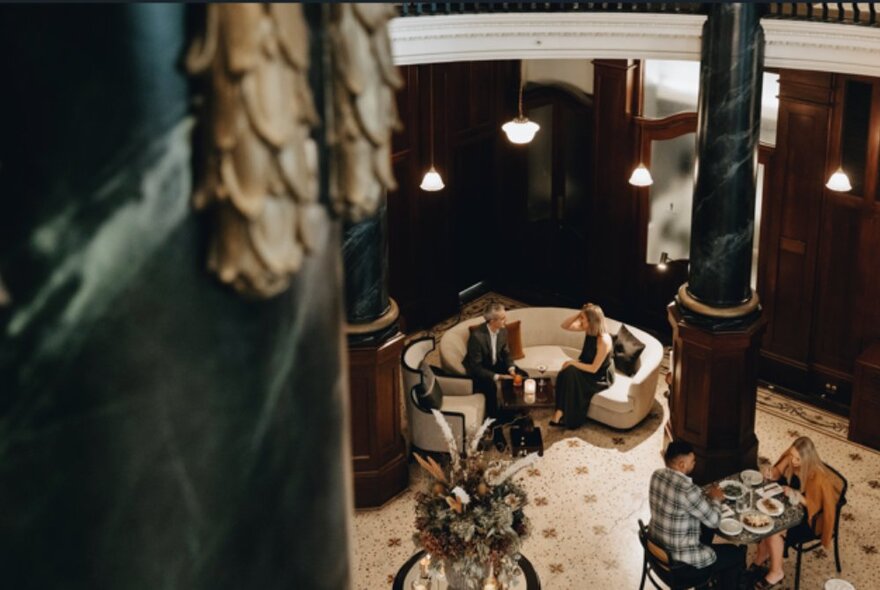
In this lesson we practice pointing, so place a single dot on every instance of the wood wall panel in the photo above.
(614, 207)
(835, 340)
(794, 207)
(432, 239)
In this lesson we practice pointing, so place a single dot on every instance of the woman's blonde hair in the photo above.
(811, 463)
(596, 319)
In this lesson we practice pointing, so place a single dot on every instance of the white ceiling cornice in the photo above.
(584, 35)
(557, 35)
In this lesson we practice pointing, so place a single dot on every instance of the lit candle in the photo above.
(529, 391)
(424, 564)
(492, 581)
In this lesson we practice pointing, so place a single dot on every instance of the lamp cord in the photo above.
(431, 110)
(521, 76)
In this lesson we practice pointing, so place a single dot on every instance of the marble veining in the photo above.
(722, 218)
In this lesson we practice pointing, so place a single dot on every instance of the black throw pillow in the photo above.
(627, 350)
(429, 396)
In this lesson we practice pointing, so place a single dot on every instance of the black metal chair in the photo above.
(676, 575)
(806, 545)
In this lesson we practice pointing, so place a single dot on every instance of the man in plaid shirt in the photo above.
(679, 506)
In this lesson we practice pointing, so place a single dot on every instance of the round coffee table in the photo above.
(409, 572)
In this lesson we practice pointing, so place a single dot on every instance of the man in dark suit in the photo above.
(488, 356)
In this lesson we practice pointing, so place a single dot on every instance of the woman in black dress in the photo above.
(580, 380)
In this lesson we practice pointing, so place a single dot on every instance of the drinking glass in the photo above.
(742, 503)
(541, 369)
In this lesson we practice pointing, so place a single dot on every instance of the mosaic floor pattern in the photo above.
(591, 486)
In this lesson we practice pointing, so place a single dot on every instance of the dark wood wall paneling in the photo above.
(443, 242)
(818, 266)
(613, 257)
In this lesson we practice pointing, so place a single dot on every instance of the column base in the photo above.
(718, 319)
(714, 393)
(378, 449)
(377, 330)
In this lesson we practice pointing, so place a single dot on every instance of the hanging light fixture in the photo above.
(520, 130)
(641, 176)
(431, 181)
(839, 181)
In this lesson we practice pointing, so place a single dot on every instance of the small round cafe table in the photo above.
(409, 572)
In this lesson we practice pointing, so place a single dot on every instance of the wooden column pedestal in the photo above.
(378, 449)
(714, 394)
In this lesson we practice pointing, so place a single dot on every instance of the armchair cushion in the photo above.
(429, 395)
(627, 350)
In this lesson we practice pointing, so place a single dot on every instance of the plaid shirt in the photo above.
(678, 506)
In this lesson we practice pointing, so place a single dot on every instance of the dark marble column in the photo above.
(716, 320)
(374, 347)
(729, 120)
(157, 430)
(371, 314)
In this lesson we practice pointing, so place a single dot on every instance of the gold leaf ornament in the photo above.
(365, 112)
(260, 171)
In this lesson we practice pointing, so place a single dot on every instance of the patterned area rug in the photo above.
(590, 488)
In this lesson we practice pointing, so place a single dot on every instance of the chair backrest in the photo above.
(654, 554)
(841, 500)
(411, 357)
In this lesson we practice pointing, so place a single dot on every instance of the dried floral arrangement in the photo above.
(471, 516)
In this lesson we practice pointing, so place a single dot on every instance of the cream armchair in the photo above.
(463, 409)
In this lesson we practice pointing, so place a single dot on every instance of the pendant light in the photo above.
(520, 130)
(432, 181)
(641, 176)
(839, 181)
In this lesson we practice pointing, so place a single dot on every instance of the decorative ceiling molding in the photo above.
(477, 37)
(581, 35)
(826, 47)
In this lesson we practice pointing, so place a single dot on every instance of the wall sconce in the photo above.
(431, 181)
(520, 130)
(664, 261)
(641, 176)
(839, 181)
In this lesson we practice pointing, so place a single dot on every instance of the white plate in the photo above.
(838, 584)
(750, 477)
(770, 506)
(754, 529)
(738, 485)
(730, 526)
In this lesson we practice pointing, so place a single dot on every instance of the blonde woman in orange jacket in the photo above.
(812, 485)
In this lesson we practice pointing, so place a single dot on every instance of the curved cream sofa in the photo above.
(623, 405)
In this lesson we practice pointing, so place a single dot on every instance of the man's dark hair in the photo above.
(676, 449)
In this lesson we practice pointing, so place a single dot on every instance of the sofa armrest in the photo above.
(456, 385)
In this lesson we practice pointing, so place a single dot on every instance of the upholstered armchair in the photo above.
(463, 409)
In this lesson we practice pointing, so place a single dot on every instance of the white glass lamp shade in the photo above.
(839, 182)
(432, 181)
(641, 176)
(520, 130)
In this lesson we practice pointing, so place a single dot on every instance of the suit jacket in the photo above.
(478, 360)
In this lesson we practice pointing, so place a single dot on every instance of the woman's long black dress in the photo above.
(575, 388)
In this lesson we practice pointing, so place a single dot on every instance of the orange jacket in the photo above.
(821, 493)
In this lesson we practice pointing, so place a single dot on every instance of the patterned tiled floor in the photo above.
(590, 487)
